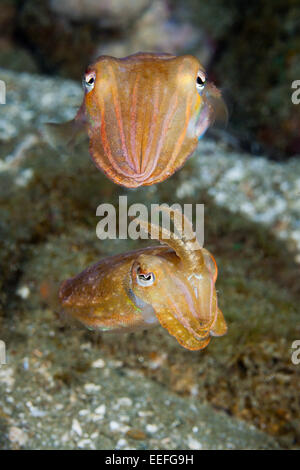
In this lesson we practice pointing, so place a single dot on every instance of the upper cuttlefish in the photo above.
(144, 115)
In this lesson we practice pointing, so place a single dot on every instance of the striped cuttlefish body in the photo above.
(144, 115)
(172, 285)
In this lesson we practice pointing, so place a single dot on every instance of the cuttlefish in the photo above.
(144, 115)
(171, 284)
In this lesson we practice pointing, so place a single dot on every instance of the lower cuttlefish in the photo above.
(172, 284)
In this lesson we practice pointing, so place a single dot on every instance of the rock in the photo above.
(16, 58)
(158, 419)
(156, 31)
(17, 436)
(91, 28)
(107, 13)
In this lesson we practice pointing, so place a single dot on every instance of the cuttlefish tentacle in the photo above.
(183, 241)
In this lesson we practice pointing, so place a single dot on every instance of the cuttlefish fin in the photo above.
(217, 106)
(210, 263)
(66, 135)
(176, 329)
(219, 327)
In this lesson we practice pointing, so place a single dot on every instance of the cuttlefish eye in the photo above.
(145, 280)
(89, 81)
(200, 81)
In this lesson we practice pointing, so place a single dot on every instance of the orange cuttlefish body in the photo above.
(144, 115)
(172, 284)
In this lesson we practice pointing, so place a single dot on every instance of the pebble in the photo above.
(17, 435)
(23, 292)
(76, 428)
(151, 428)
(92, 388)
(193, 444)
(98, 364)
(136, 434)
(124, 401)
(100, 411)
